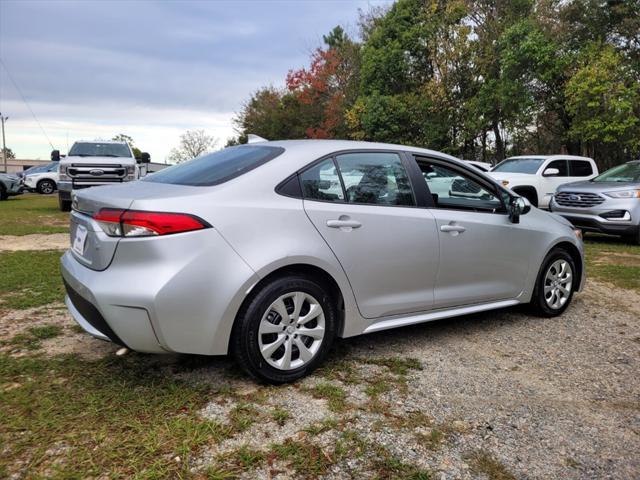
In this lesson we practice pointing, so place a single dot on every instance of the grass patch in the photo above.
(75, 419)
(30, 279)
(242, 416)
(434, 440)
(482, 462)
(610, 260)
(342, 370)
(34, 335)
(334, 395)
(28, 214)
(396, 365)
(321, 427)
(280, 416)
(307, 459)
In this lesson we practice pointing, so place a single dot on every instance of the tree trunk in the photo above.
(499, 142)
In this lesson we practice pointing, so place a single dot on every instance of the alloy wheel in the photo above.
(557, 284)
(291, 331)
(46, 187)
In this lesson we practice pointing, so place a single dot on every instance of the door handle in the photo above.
(343, 224)
(452, 228)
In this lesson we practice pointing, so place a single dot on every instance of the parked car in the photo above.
(270, 251)
(482, 166)
(42, 179)
(91, 164)
(10, 185)
(609, 203)
(536, 177)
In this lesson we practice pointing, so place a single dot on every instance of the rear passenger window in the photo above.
(375, 178)
(561, 165)
(321, 182)
(580, 168)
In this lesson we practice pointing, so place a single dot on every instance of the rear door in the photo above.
(363, 206)
(483, 256)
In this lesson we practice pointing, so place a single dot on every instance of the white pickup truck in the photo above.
(536, 177)
(90, 164)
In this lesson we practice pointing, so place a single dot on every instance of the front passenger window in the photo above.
(453, 189)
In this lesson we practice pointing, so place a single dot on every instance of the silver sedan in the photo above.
(272, 250)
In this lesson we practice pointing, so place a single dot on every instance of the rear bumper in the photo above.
(175, 294)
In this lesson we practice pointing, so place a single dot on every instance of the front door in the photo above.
(483, 255)
(363, 206)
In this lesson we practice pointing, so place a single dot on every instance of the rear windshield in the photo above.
(90, 149)
(519, 165)
(217, 167)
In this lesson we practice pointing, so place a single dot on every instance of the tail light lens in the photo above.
(136, 223)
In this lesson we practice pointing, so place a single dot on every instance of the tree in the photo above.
(604, 100)
(121, 137)
(8, 153)
(193, 143)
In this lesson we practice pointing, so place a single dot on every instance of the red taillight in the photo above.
(135, 223)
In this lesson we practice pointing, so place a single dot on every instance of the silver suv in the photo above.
(273, 249)
(608, 203)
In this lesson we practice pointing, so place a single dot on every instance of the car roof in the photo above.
(320, 148)
(546, 157)
(117, 142)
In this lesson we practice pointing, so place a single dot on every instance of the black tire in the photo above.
(529, 193)
(538, 303)
(65, 205)
(244, 339)
(634, 239)
(46, 186)
(3, 192)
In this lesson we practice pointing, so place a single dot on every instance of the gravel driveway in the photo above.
(499, 395)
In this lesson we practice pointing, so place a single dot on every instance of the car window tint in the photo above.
(580, 168)
(455, 190)
(321, 182)
(375, 178)
(218, 167)
(561, 165)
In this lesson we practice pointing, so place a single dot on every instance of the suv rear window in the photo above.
(217, 167)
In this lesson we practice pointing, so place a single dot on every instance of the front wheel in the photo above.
(634, 239)
(555, 284)
(284, 330)
(65, 205)
(46, 187)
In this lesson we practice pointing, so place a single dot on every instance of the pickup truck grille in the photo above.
(92, 174)
(578, 199)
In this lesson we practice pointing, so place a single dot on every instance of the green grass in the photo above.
(34, 335)
(611, 260)
(32, 213)
(482, 462)
(334, 395)
(124, 416)
(30, 279)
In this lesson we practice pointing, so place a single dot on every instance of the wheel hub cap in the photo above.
(291, 331)
(557, 284)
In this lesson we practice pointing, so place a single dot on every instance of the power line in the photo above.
(26, 103)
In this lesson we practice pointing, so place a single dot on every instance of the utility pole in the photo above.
(4, 145)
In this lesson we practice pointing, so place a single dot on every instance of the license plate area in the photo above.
(79, 240)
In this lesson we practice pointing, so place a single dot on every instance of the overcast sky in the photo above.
(149, 69)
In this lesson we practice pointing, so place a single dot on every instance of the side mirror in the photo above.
(551, 172)
(55, 155)
(518, 206)
(144, 158)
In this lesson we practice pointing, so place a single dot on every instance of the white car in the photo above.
(536, 177)
(482, 166)
(42, 179)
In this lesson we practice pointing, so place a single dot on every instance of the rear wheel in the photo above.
(46, 187)
(555, 284)
(65, 205)
(3, 192)
(284, 331)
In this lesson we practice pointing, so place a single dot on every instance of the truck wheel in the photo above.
(529, 193)
(3, 192)
(634, 239)
(46, 186)
(65, 205)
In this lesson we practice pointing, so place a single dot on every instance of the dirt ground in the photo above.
(496, 395)
(36, 241)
